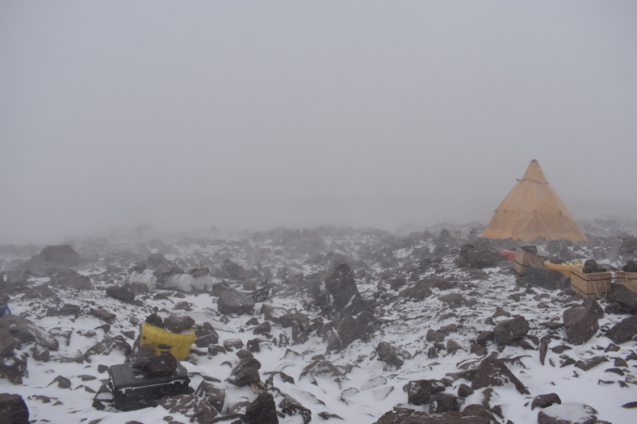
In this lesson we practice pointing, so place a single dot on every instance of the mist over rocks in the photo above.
(327, 322)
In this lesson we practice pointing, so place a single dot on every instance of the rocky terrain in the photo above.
(335, 324)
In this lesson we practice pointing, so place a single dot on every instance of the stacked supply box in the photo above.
(595, 285)
(628, 279)
(524, 259)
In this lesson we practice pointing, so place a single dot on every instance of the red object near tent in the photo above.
(508, 255)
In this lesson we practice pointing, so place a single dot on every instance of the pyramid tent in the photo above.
(533, 209)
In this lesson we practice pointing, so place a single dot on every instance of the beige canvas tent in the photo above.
(533, 209)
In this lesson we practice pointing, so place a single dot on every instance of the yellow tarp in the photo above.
(165, 341)
(533, 209)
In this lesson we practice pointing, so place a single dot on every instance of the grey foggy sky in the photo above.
(259, 114)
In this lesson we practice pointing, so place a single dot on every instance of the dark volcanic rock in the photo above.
(156, 320)
(26, 331)
(485, 337)
(13, 369)
(464, 390)
(493, 372)
(623, 295)
(623, 331)
(290, 406)
(109, 317)
(563, 414)
(165, 363)
(546, 278)
(71, 279)
(157, 261)
(509, 330)
(192, 406)
(205, 335)
(347, 329)
(420, 392)
(262, 410)
(246, 373)
(123, 293)
(13, 410)
(234, 302)
(342, 286)
(453, 299)
(7, 343)
(213, 394)
(418, 291)
(389, 354)
(544, 401)
(263, 328)
(107, 345)
(478, 257)
(435, 336)
(591, 363)
(445, 402)
(178, 323)
(233, 270)
(581, 321)
(409, 416)
(61, 255)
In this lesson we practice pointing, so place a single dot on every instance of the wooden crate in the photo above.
(628, 279)
(595, 285)
(524, 259)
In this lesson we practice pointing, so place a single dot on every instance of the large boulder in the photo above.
(510, 330)
(234, 302)
(420, 392)
(419, 291)
(389, 354)
(122, 293)
(26, 331)
(54, 256)
(342, 286)
(233, 270)
(581, 323)
(13, 369)
(546, 278)
(567, 413)
(347, 329)
(71, 279)
(178, 323)
(623, 295)
(7, 343)
(623, 331)
(262, 410)
(205, 335)
(478, 257)
(246, 372)
(409, 416)
(493, 372)
(445, 402)
(13, 410)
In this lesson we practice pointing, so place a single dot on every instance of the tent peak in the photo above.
(535, 173)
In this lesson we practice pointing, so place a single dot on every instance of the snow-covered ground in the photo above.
(291, 260)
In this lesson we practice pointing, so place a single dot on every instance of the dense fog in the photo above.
(251, 115)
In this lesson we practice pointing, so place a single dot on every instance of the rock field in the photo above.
(328, 324)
